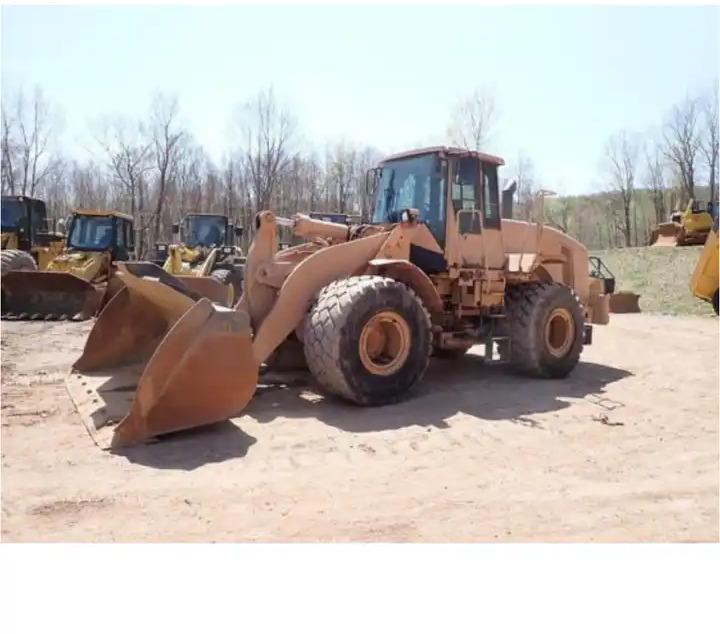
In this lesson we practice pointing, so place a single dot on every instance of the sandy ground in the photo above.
(626, 449)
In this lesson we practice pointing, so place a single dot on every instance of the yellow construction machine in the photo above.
(206, 252)
(74, 282)
(363, 307)
(704, 280)
(29, 239)
(685, 228)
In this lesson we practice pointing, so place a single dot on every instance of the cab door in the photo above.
(474, 195)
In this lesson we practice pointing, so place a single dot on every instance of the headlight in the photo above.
(162, 247)
(227, 250)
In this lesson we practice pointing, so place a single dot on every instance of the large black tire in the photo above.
(546, 324)
(335, 329)
(13, 260)
(715, 301)
(231, 276)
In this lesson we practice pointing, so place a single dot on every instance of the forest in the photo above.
(155, 170)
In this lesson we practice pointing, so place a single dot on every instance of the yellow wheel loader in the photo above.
(29, 239)
(207, 253)
(362, 307)
(685, 228)
(704, 280)
(75, 281)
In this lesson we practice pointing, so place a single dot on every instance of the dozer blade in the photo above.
(48, 295)
(161, 359)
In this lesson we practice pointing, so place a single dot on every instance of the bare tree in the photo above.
(710, 138)
(472, 120)
(621, 153)
(655, 179)
(165, 146)
(128, 154)
(26, 139)
(682, 144)
(268, 129)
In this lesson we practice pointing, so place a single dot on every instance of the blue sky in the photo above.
(564, 77)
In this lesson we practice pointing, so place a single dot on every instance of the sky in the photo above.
(564, 78)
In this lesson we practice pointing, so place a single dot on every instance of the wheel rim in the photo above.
(559, 332)
(384, 343)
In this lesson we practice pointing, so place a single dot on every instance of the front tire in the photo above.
(14, 260)
(546, 323)
(715, 301)
(367, 339)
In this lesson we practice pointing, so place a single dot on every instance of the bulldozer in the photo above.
(704, 280)
(206, 251)
(363, 307)
(685, 227)
(75, 281)
(29, 240)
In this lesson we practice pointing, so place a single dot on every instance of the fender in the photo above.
(409, 274)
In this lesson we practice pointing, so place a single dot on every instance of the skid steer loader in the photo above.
(684, 228)
(206, 252)
(75, 280)
(436, 271)
(29, 239)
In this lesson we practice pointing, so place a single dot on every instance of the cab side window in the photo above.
(491, 207)
(465, 195)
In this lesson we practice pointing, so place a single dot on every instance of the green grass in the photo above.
(660, 275)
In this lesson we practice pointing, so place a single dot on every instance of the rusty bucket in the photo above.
(159, 359)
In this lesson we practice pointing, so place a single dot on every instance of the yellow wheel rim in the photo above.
(559, 332)
(384, 343)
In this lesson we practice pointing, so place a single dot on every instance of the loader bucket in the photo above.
(209, 287)
(48, 295)
(665, 235)
(624, 302)
(161, 359)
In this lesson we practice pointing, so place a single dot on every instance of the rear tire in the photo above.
(367, 339)
(546, 323)
(14, 260)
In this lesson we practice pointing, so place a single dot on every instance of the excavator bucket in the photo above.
(161, 358)
(48, 295)
(665, 235)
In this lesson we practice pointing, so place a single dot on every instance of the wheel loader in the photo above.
(29, 239)
(74, 282)
(206, 250)
(685, 228)
(362, 307)
(704, 280)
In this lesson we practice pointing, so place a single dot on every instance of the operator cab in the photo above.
(207, 230)
(456, 194)
(102, 231)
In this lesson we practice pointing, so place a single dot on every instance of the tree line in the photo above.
(154, 169)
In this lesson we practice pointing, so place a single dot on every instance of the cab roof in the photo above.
(102, 212)
(446, 151)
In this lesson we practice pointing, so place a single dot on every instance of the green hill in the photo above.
(660, 275)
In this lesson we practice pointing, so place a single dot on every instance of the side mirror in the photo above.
(175, 228)
(238, 232)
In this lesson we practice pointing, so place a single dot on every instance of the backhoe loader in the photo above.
(75, 280)
(363, 307)
(206, 250)
(29, 239)
(684, 228)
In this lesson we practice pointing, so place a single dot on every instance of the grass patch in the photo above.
(660, 275)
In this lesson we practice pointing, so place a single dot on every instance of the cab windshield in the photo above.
(94, 233)
(416, 182)
(12, 214)
(205, 231)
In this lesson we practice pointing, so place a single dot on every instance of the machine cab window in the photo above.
(465, 195)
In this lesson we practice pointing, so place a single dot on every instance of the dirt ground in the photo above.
(626, 449)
